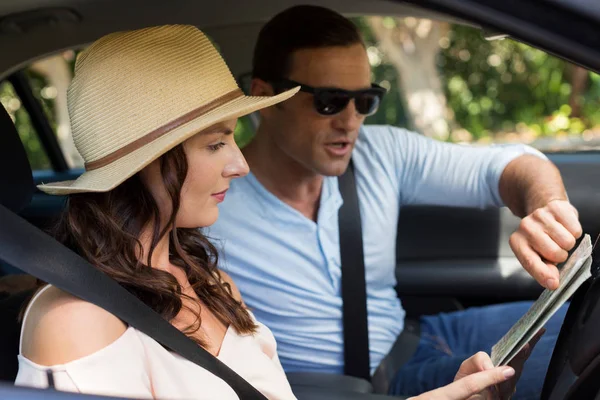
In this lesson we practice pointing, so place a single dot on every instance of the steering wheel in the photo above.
(574, 370)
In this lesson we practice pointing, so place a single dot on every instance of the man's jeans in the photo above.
(448, 339)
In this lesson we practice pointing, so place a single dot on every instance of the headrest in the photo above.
(16, 181)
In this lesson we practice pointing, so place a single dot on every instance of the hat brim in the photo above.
(110, 176)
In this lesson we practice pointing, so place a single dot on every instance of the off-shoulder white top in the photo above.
(135, 365)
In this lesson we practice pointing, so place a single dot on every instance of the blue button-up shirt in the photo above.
(288, 268)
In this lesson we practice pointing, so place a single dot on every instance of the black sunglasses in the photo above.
(331, 101)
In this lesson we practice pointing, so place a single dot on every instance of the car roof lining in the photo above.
(234, 32)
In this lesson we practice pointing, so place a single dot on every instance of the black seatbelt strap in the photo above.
(404, 348)
(354, 292)
(26, 247)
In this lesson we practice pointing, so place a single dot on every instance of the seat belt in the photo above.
(354, 288)
(354, 298)
(26, 247)
(404, 348)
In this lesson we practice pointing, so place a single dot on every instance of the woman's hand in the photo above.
(507, 389)
(478, 379)
(474, 377)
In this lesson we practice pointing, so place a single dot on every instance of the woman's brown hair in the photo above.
(105, 228)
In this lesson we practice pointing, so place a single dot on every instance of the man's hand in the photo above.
(544, 239)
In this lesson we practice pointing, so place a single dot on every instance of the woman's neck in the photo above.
(160, 256)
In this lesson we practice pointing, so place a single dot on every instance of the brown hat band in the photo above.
(155, 134)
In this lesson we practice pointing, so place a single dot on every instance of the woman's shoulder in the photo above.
(59, 327)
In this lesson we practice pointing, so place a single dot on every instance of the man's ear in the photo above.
(258, 87)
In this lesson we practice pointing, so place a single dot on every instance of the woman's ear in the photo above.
(152, 179)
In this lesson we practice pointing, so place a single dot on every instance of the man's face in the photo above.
(321, 144)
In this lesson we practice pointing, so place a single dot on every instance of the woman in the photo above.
(152, 114)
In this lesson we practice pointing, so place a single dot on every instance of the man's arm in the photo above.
(437, 173)
(533, 189)
(528, 183)
(431, 172)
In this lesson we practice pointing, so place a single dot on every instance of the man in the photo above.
(279, 225)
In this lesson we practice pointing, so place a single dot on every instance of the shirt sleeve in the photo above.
(439, 173)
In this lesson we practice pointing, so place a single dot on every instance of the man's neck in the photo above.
(287, 179)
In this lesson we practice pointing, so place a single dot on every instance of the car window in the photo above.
(11, 102)
(49, 79)
(449, 82)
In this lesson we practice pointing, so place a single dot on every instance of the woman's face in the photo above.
(213, 159)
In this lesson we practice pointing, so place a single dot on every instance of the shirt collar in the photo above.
(276, 210)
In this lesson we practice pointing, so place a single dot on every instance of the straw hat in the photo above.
(135, 95)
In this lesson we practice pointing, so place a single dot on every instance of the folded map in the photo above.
(574, 272)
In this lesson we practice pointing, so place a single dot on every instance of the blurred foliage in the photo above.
(244, 131)
(493, 88)
(392, 110)
(36, 154)
(45, 95)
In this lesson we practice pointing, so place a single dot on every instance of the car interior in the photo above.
(447, 258)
